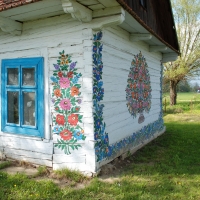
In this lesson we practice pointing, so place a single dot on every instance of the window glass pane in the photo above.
(12, 76)
(13, 107)
(29, 108)
(28, 75)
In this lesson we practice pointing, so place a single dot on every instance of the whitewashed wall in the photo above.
(117, 55)
(47, 37)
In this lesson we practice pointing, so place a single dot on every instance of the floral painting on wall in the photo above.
(103, 149)
(138, 90)
(66, 99)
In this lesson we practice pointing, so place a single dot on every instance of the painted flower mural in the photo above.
(138, 90)
(65, 96)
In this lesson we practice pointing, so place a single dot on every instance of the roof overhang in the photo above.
(97, 15)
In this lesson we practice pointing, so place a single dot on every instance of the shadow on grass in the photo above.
(175, 152)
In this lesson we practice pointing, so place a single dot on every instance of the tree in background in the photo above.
(187, 20)
(195, 87)
(183, 86)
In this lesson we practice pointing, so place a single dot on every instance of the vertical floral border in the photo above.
(101, 137)
(102, 148)
(66, 99)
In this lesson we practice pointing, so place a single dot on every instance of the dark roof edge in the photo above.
(16, 4)
(170, 4)
(131, 12)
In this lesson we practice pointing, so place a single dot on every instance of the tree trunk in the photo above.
(173, 92)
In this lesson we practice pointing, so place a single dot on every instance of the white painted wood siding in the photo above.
(47, 37)
(118, 53)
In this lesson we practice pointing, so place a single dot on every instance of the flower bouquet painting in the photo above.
(138, 90)
(66, 99)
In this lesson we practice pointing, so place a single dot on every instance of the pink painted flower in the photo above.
(65, 104)
(64, 82)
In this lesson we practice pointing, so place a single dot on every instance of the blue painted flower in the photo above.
(78, 135)
(98, 36)
(56, 129)
(94, 56)
(98, 76)
(102, 155)
(119, 145)
(98, 123)
(95, 89)
(99, 97)
(95, 49)
(54, 79)
(75, 80)
(79, 101)
(56, 66)
(97, 150)
(109, 151)
(72, 65)
(99, 61)
(106, 139)
(103, 129)
(96, 135)
(100, 68)
(100, 48)
(94, 70)
(101, 91)
(98, 108)
(100, 84)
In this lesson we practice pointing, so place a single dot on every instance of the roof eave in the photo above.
(135, 16)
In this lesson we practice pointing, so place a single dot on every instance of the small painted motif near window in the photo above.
(66, 99)
(138, 90)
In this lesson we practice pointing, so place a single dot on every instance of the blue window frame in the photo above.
(22, 96)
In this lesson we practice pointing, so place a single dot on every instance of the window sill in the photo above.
(13, 135)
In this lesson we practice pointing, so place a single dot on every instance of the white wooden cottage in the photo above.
(81, 79)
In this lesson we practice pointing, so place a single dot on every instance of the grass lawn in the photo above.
(167, 168)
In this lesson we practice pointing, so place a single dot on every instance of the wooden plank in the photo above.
(110, 3)
(96, 7)
(120, 108)
(88, 2)
(27, 154)
(65, 19)
(47, 163)
(115, 130)
(53, 52)
(63, 158)
(107, 12)
(28, 144)
(40, 13)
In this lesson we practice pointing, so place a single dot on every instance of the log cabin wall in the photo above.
(121, 130)
(46, 38)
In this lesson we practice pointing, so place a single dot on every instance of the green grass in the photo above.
(5, 164)
(186, 102)
(167, 168)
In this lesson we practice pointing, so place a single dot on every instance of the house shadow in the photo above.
(175, 152)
